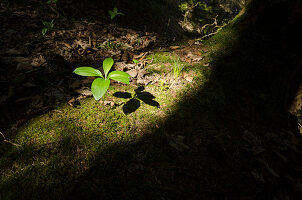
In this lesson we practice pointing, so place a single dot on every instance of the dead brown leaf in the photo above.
(67, 45)
(174, 47)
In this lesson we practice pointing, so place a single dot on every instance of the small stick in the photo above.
(7, 141)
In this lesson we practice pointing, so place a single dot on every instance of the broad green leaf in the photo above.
(99, 87)
(107, 64)
(44, 30)
(119, 76)
(87, 71)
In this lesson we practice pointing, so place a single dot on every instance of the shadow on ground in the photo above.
(134, 100)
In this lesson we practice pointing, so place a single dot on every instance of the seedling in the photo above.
(113, 13)
(138, 42)
(48, 26)
(101, 84)
(178, 67)
(52, 1)
(112, 46)
(136, 62)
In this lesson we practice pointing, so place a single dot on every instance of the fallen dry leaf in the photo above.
(138, 56)
(188, 60)
(189, 78)
(67, 45)
(111, 103)
(71, 102)
(174, 47)
(191, 42)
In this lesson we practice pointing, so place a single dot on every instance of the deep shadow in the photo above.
(246, 92)
(146, 97)
(131, 106)
(152, 16)
(35, 91)
(123, 95)
(134, 103)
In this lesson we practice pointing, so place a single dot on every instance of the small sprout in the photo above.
(52, 1)
(113, 13)
(135, 61)
(115, 46)
(48, 26)
(178, 67)
(101, 84)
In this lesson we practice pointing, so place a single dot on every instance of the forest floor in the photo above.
(170, 134)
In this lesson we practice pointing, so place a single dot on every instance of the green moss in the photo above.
(61, 145)
(165, 63)
(161, 57)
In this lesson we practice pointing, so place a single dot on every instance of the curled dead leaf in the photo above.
(67, 45)
(174, 47)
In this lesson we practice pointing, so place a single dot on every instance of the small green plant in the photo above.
(101, 84)
(48, 26)
(113, 13)
(136, 62)
(177, 67)
(112, 46)
(163, 86)
(138, 42)
(52, 1)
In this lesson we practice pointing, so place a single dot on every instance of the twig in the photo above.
(189, 11)
(7, 141)
(152, 58)
(214, 24)
(205, 36)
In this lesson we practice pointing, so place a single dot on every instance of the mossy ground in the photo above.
(63, 152)
(94, 151)
(98, 152)
(56, 148)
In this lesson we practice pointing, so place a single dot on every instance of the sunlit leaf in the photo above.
(107, 64)
(87, 71)
(120, 76)
(99, 87)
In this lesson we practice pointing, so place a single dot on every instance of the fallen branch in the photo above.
(189, 11)
(215, 26)
(7, 141)
(210, 34)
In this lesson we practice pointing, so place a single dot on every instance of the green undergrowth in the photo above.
(126, 151)
(56, 151)
(61, 144)
(165, 63)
